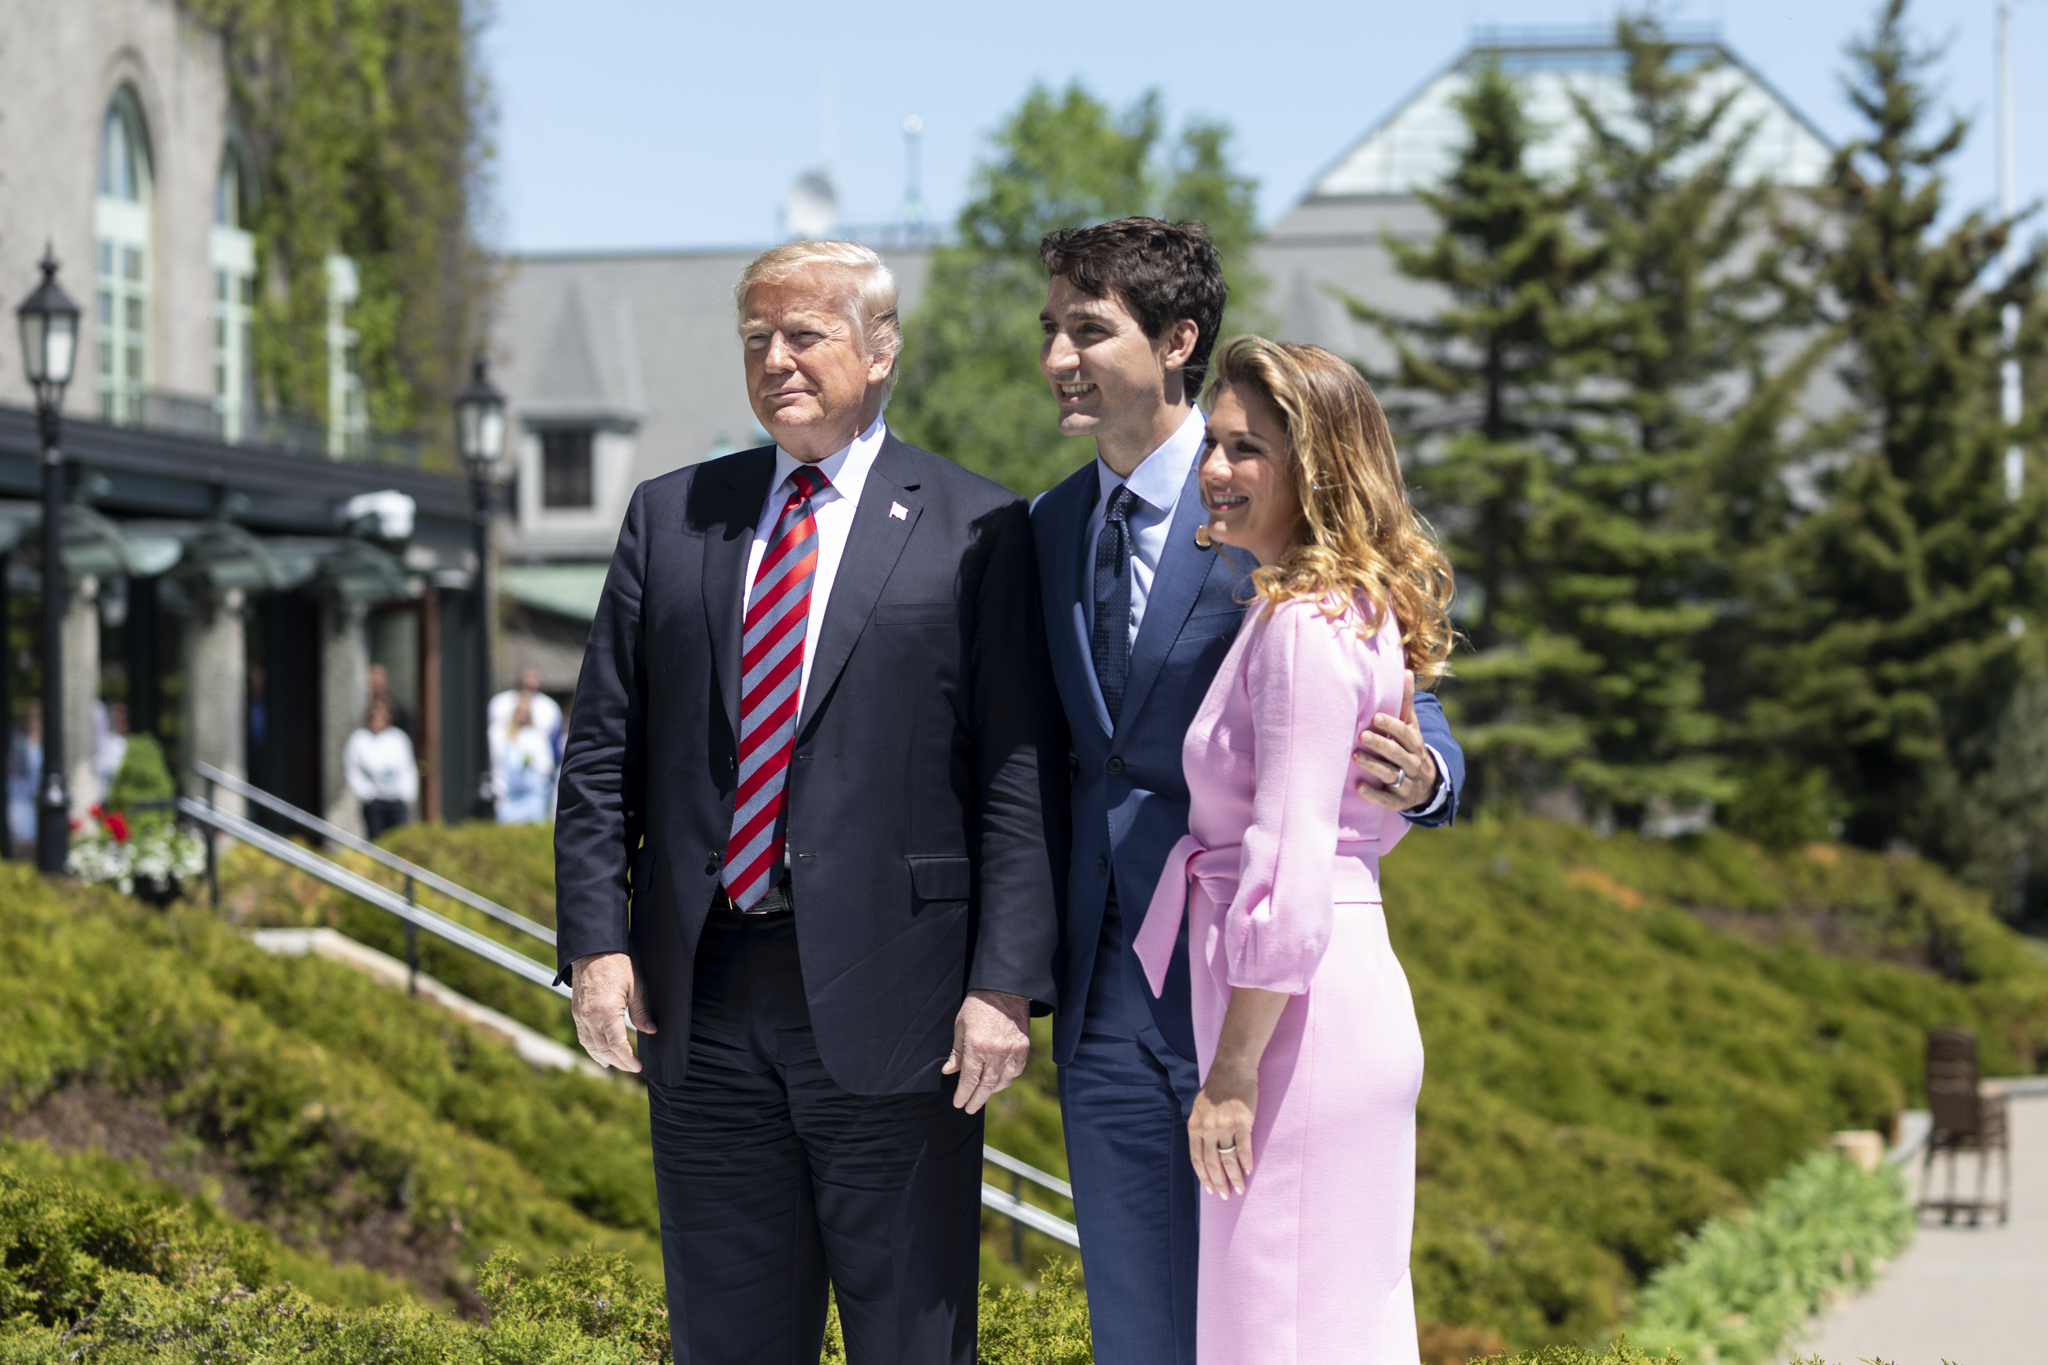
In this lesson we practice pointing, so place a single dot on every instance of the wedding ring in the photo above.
(1220, 1151)
(1400, 778)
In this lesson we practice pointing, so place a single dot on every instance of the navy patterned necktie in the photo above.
(1110, 641)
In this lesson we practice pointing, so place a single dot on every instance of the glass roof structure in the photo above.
(1416, 144)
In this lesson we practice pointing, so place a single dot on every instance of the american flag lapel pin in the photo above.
(899, 511)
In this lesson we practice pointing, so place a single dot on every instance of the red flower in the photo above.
(116, 826)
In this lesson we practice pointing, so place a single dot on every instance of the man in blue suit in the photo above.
(1139, 615)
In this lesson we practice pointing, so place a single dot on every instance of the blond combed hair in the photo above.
(870, 300)
(1358, 533)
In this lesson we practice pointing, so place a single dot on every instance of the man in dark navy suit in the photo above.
(817, 744)
(1139, 615)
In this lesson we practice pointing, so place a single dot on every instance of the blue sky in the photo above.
(672, 123)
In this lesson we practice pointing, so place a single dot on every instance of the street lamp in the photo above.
(49, 346)
(480, 432)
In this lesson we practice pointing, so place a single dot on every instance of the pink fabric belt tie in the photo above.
(1187, 866)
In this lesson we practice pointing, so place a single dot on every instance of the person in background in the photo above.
(547, 714)
(522, 768)
(24, 773)
(381, 771)
(380, 690)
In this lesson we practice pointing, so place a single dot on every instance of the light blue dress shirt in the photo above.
(1156, 485)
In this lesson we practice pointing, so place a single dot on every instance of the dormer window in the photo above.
(565, 468)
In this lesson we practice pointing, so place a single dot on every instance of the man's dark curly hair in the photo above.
(1160, 271)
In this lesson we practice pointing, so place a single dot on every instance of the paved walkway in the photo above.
(1974, 1296)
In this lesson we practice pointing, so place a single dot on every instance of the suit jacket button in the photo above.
(1116, 765)
(1102, 864)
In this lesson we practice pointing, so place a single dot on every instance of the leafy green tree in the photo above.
(1480, 390)
(1905, 614)
(970, 386)
(368, 124)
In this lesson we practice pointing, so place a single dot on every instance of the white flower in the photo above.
(158, 853)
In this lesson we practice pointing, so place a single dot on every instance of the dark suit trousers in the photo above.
(774, 1181)
(1124, 1101)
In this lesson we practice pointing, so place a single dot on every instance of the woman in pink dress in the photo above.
(1304, 1133)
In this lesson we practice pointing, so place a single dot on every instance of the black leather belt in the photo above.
(775, 901)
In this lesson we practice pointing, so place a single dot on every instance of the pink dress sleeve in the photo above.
(1308, 678)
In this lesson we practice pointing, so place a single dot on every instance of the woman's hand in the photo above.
(1220, 1131)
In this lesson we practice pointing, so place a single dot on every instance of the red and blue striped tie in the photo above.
(771, 667)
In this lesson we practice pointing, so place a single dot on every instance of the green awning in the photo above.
(569, 590)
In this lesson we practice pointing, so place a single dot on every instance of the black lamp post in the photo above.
(480, 431)
(49, 346)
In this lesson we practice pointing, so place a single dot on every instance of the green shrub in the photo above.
(84, 1275)
(1743, 1284)
(1625, 1038)
(142, 788)
(1606, 1069)
(334, 1114)
(254, 1252)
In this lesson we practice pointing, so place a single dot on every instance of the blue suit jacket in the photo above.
(1130, 797)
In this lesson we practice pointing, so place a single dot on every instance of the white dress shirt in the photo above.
(846, 472)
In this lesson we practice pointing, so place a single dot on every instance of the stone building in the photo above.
(230, 573)
(620, 367)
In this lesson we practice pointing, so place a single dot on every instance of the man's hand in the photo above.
(991, 1042)
(1392, 751)
(609, 1004)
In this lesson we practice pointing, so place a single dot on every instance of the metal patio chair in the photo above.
(1969, 1116)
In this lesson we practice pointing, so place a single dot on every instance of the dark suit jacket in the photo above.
(929, 756)
(1130, 795)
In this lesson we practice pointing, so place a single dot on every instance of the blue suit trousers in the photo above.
(1125, 1100)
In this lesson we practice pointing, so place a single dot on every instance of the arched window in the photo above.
(234, 294)
(121, 222)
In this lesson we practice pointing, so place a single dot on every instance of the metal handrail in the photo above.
(1030, 1173)
(308, 820)
(1022, 1215)
(361, 887)
(1059, 1229)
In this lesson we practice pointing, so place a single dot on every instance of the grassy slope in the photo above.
(1605, 1070)
(338, 1114)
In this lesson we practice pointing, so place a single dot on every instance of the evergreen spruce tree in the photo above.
(1907, 613)
(1480, 394)
(1676, 403)
(970, 386)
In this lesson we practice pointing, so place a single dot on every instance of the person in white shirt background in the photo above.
(523, 767)
(547, 712)
(381, 771)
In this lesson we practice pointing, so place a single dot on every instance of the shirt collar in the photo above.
(1160, 476)
(845, 469)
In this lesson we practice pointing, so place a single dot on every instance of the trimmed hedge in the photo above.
(1606, 1069)
(1625, 1038)
(338, 1113)
(87, 1275)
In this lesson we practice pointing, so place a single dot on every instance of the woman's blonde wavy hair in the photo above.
(1358, 534)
